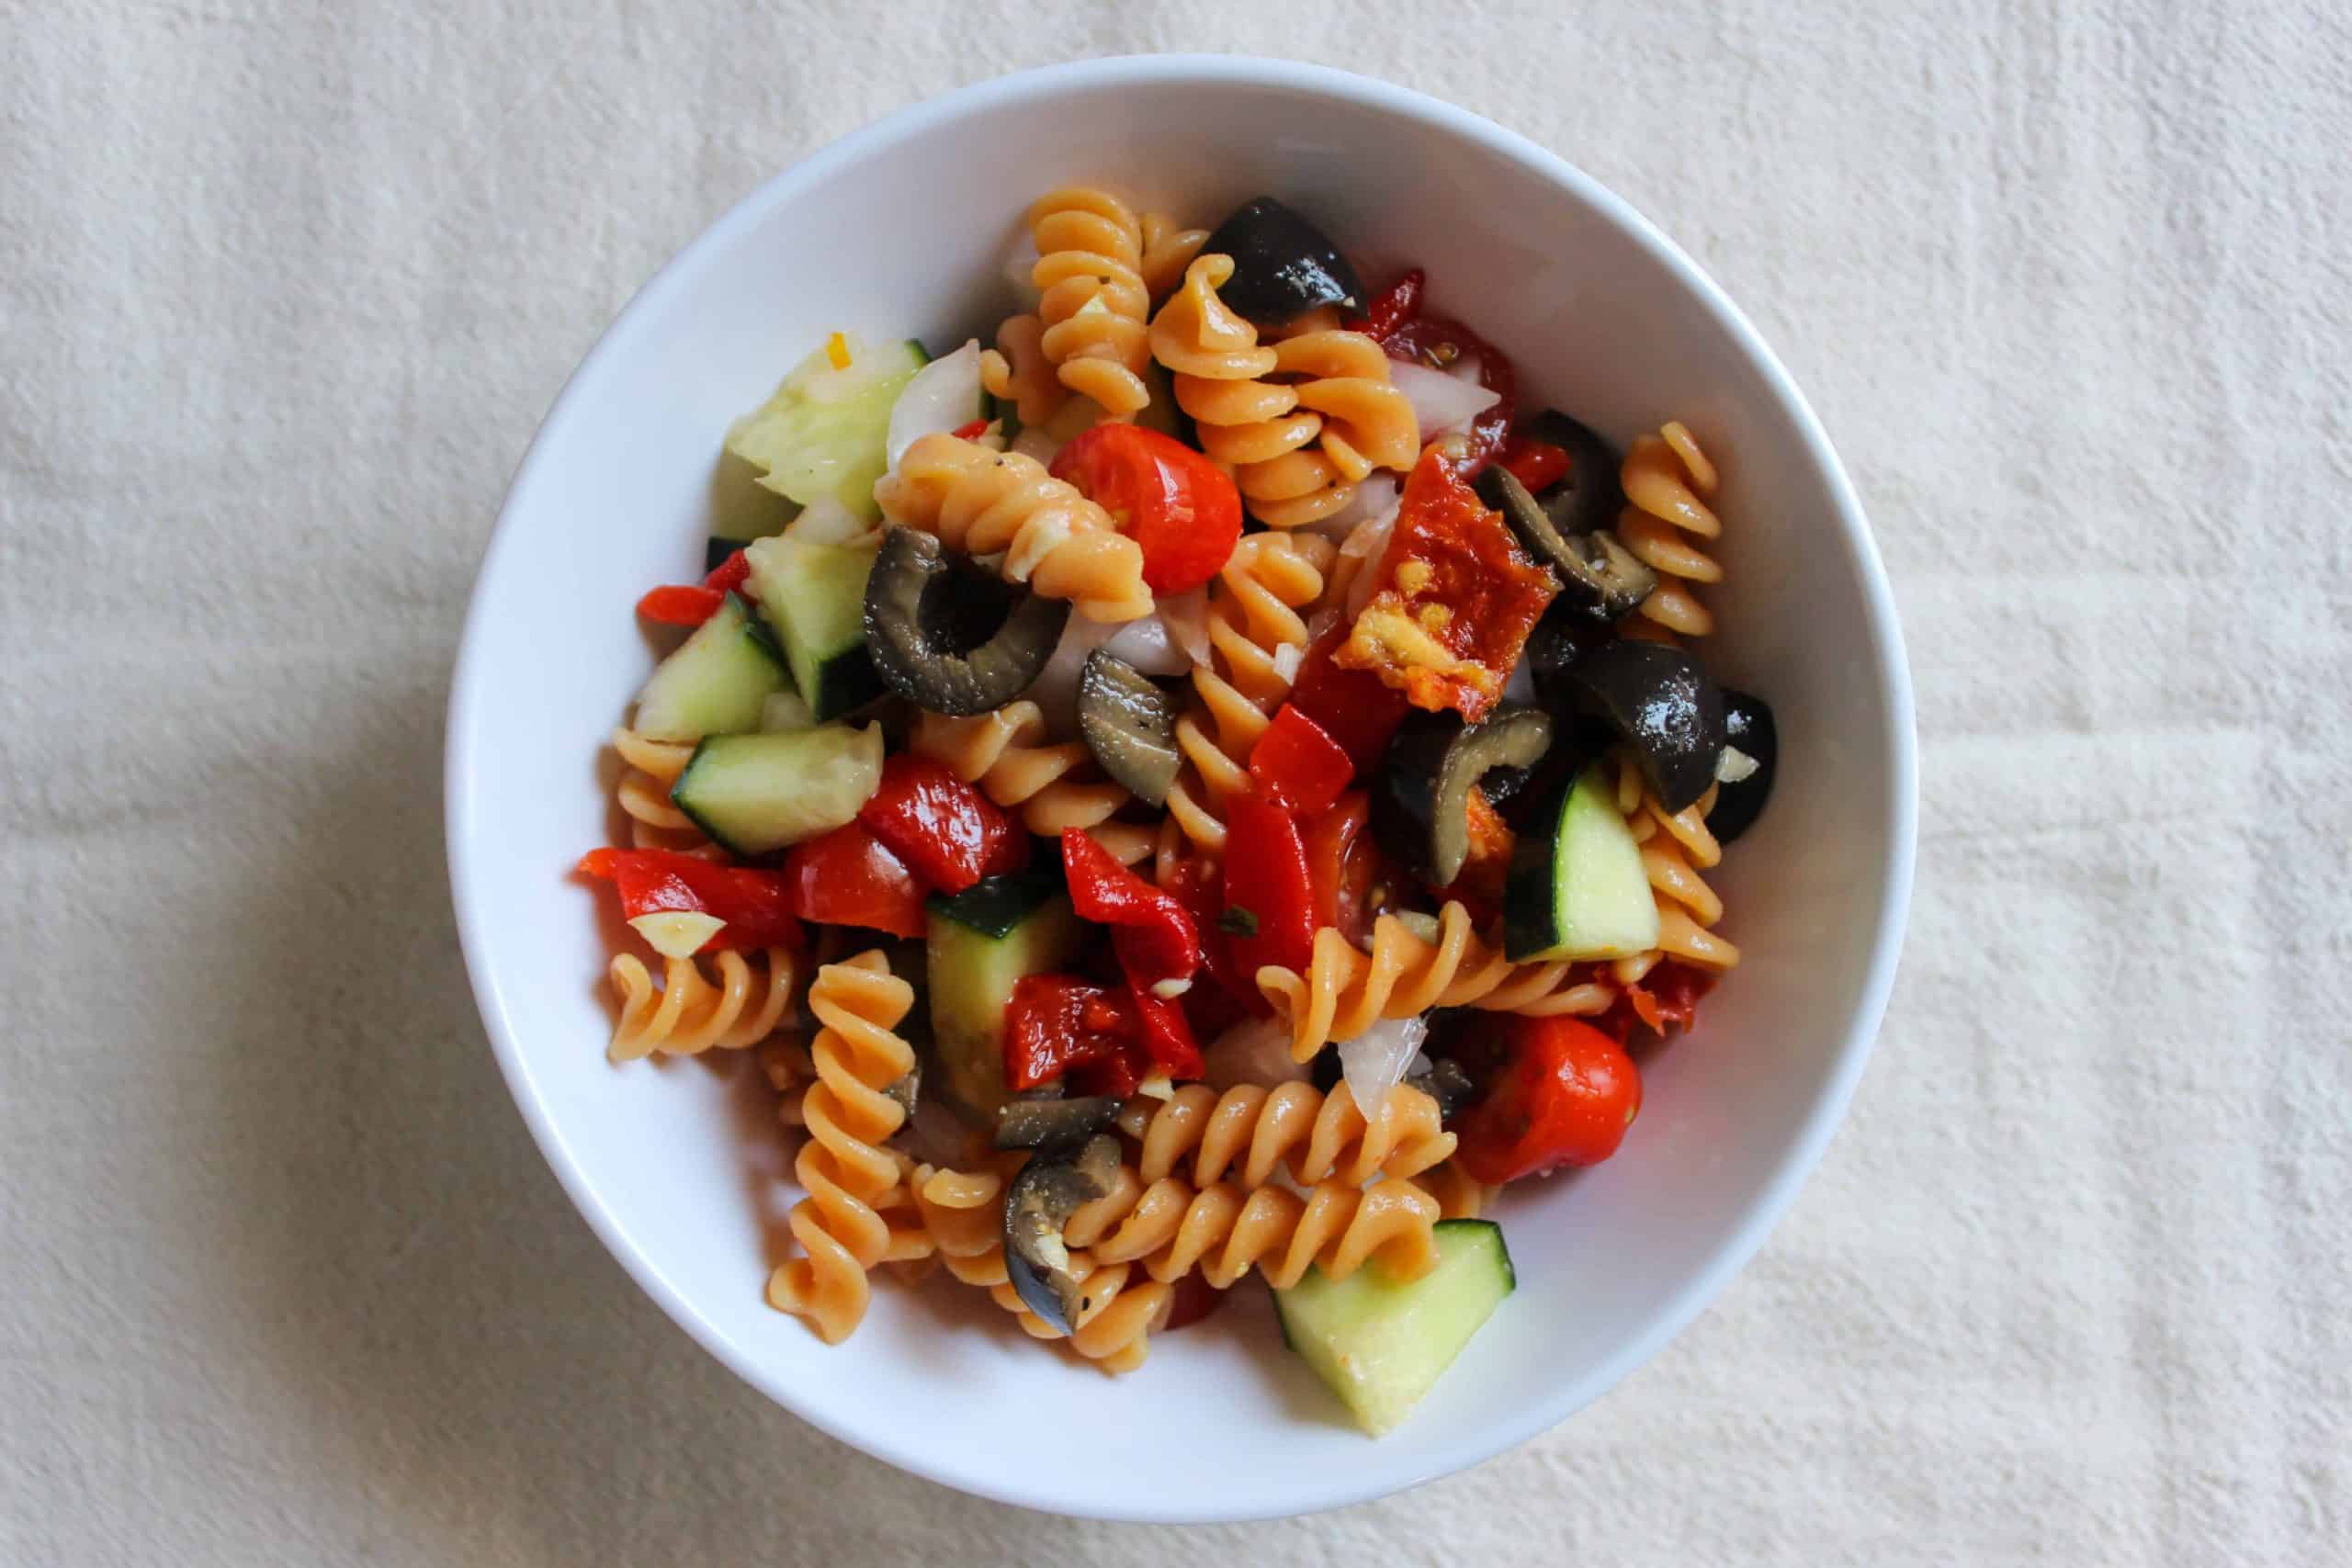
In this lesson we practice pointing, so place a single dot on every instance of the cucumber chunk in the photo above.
(981, 943)
(826, 429)
(1381, 1344)
(715, 683)
(1577, 888)
(757, 793)
(814, 595)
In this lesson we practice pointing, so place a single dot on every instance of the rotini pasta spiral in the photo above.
(1667, 482)
(1675, 845)
(1334, 397)
(1346, 990)
(1054, 787)
(688, 1013)
(962, 1211)
(1459, 1194)
(1254, 614)
(848, 1176)
(648, 770)
(1170, 1226)
(1094, 300)
(1167, 251)
(986, 503)
(1017, 370)
(1248, 1133)
(1118, 1313)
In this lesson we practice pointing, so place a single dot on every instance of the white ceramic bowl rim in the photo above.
(1764, 1204)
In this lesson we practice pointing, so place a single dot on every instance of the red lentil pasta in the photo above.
(1029, 800)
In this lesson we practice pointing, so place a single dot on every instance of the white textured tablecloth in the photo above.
(284, 289)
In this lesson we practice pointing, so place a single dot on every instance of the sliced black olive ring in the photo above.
(948, 637)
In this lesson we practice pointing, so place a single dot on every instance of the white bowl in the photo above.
(901, 230)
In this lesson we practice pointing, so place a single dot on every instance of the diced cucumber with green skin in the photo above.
(1382, 1343)
(1579, 891)
(814, 595)
(825, 430)
(981, 943)
(715, 683)
(757, 793)
(787, 711)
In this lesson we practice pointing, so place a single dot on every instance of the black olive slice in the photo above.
(1661, 704)
(1591, 493)
(1748, 724)
(1053, 1124)
(1599, 576)
(1421, 804)
(1282, 266)
(947, 636)
(1129, 725)
(1039, 1203)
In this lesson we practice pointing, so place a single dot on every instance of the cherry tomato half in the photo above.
(1175, 504)
(1564, 1094)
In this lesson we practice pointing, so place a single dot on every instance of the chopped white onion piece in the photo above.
(1440, 401)
(785, 711)
(826, 520)
(1170, 989)
(1146, 644)
(1186, 617)
(1377, 495)
(1374, 1062)
(944, 395)
(1288, 659)
(1255, 1051)
(1368, 544)
(1055, 690)
(1157, 1087)
(1732, 765)
(1035, 442)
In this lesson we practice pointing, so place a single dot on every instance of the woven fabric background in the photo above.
(283, 291)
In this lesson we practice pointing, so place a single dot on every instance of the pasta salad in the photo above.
(1207, 784)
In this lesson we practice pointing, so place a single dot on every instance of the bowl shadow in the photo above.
(404, 1274)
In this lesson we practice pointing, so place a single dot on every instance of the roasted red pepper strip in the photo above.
(755, 905)
(1668, 998)
(947, 832)
(848, 878)
(1352, 707)
(1166, 1036)
(970, 431)
(1453, 601)
(1535, 463)
(1297, 765)
(1343, 864)
(1119, 1074)
(1152, 933)
(682, 606)
(1056, 1023)
(1392, 307)
(1199, 888)
(1269, 897)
